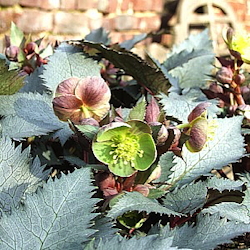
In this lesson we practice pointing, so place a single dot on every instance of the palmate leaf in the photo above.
(30, 114)
(56, 217)
(146, 75)
(186, 200)
(208, 233)
(18, 174)
(11, 82)
(68, 61)
(226, 147)
(135, 201)
(148, 242)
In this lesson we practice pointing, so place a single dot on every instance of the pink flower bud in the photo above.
(12, 52)
(239, 79)
(30, 48)
(224, 75)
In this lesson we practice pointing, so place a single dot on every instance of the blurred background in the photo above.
(173, 20)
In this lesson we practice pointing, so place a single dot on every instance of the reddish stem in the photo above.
(238, 96)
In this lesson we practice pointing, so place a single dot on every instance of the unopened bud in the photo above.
(239, 79)
(224, 75)
(12, 52)
(30, 48)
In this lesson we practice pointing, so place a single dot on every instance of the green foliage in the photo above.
(17, 122)
(226, 147)
(56, 217)
(146, 75)
(16, 35)
(11, 82)
(19, 175)
(136, 201)
(66, 62)
(127, 180)
(191, 62)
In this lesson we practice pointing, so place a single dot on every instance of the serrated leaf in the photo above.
(226, 147)
(98, 36)
(196, 52)
(222, 184)
(150, 77)
(180, 106)
(148, 242)
(200, 40)
(68, 61)
(56, 217)
(30, 114)
(166, 163)
(11, 82)
(88, 130)
(186, 200)
(135, 201)
(138, 111)
(16, 35)
(18, 174)
(209, 232)
(129, 44)
(230, 210)
(105, 228)
(34, 83)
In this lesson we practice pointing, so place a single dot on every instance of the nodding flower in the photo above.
(199, 129)
(77, 99)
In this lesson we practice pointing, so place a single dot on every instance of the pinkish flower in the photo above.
(77, 99)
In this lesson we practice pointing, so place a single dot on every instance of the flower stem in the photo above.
(184, 125)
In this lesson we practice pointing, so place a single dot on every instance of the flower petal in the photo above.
(67, 86)
(198, 135)
(121, 169)
(147, 145)
(93, 91)
(67, 102)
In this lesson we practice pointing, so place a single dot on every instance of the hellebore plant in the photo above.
(118, 172)
(125, 147)
(78, 99)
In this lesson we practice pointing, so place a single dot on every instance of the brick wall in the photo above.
(66, 19)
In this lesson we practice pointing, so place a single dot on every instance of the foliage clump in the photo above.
(101, 149)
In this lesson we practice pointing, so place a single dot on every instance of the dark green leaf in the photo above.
(11, 81)
(146, 75)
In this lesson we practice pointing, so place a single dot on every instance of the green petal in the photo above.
(102, 151)
(120, 169)
(147, 144)
(107, 132)
(139, 127)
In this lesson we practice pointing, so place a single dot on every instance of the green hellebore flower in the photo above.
(239, 44)
(125, 147)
